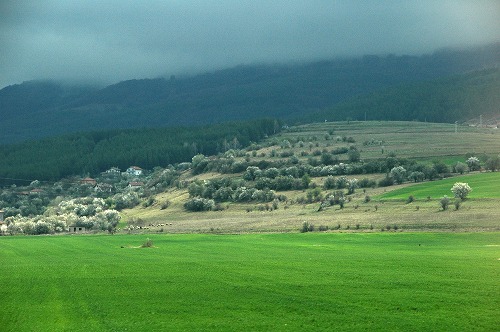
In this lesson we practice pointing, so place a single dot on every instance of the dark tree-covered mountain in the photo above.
(39, 109)
(458, 98)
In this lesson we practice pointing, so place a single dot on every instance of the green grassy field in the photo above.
(484, 185)
(256, 282)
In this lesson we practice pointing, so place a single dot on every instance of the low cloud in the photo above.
(109, 41)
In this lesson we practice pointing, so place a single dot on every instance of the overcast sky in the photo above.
(108, 41)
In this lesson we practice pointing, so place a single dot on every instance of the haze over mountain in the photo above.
(45, 108)
(107, 41)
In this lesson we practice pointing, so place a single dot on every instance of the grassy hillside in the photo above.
(421, 143)
(483, 186)
(278, 282)
(416, 140)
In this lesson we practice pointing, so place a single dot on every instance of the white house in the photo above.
(134, 170)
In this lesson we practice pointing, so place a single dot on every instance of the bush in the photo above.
(147, 244)
(199, 204)
(461, 190)
(493, 163)
(165, 204)
(474, 164)
(416, 176)
(367, 183)
(445, 202)
(460, 167)
(148, 202)
(329, 183)
(352, 184)
(306, 227)
(386, 182)
(340, 150)
(354, 155)
(398, 173)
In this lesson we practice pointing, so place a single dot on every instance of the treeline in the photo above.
(457, 98)
(94, 152)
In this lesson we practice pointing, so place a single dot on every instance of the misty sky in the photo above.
(108, 41)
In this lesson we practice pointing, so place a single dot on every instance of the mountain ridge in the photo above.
(45, 108)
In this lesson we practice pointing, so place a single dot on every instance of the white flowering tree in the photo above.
(91, 213)
(461, 190)
(398, 173)
(474, 164)
(352, 184)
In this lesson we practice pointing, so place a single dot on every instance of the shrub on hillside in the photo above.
(474, 164)
(386, 182)
(493, 163)
(199, 204)
(352, 184)
(306, 227)
(367, 183)
(460, 167)
(444, 202)
(461, 190)
(398, 173)
(416, 176)
(329, 183)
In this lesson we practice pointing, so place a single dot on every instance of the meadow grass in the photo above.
(265, 282)
(484, 185)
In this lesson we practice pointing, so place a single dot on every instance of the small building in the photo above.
(134, 170)
(114, 170)
(103, 188)
(91, 182)
(36, 191)
(76, 229)
(135, 184)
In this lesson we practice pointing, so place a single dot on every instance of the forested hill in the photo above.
(458, 98)
(39, 109)
(93, 152)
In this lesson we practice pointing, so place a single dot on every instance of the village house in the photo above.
(135, 184)
(91, 182)
(134, 170)
(104, 188)
(76, 229)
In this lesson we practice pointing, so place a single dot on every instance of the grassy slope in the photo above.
(418, 140)
(484, 185)
(277, 282)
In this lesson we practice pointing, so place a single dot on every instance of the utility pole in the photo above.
(481, 120)
(456, 127)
